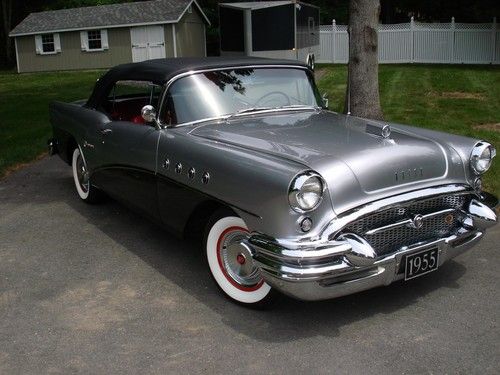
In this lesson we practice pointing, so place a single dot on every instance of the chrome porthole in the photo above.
(205, 178)
(166, 163)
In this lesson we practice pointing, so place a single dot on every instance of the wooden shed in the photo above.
(106, 35)
(278, 29)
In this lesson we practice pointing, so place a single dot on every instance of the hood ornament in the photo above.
(384, 131)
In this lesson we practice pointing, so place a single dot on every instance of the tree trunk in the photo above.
(6, 13)
(362, 97)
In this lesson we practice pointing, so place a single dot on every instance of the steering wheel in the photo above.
(278, 93)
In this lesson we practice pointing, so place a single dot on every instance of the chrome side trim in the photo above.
(407, 222)
(191, 72)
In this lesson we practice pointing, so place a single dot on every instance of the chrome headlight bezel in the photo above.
(477, 159)
(307, 182)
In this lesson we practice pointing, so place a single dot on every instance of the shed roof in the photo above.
(105, 16)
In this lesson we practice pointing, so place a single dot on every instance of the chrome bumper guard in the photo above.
(325, 269)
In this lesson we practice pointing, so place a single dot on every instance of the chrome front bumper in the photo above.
(324, 269)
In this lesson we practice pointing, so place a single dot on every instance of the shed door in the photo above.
(148, 42)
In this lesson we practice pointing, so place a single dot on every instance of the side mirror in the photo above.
(325, 100)
(148, 113)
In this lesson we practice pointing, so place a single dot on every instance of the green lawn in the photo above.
(24, 118)
(449, 98)
(452, 98)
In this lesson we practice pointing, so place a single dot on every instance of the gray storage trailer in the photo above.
(275, 29)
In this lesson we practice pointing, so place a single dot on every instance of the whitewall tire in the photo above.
(230, 262)
(81, 177)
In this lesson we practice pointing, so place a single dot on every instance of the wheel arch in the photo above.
(70, 147)
(200, 215)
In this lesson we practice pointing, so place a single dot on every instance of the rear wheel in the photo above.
(230, 261)
(81, 176)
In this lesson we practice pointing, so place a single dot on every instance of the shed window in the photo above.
(48, 44)
(94, 38)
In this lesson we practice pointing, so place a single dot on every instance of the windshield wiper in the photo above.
(257, 109)
(298, 106)
(247, 110)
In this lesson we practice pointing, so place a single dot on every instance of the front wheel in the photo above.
(84, 188)
(230, 261)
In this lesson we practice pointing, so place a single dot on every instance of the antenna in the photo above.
(348, 70)
(348, 94)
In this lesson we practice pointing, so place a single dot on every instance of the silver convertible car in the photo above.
(287, 195)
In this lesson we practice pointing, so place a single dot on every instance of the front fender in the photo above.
(254, 184)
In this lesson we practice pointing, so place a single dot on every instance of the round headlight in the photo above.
(306, 192)
(481, 156)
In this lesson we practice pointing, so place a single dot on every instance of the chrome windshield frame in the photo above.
(222, 118)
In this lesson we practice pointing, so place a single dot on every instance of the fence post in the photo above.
(494, 39)
(452, 40)
(412, 27)
(334, 29)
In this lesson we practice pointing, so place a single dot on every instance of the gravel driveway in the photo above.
(98, 289)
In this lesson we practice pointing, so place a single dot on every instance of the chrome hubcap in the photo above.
(237, 259)
(82, 173)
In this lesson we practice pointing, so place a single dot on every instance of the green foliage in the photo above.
(451, 98)
(394, 11)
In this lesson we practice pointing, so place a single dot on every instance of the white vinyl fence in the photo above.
(415, 42)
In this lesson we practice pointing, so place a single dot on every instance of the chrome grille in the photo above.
(390, 240)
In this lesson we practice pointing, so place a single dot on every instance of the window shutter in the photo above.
(57, 42)
(104, 39)
(38, 44)
(84, 40)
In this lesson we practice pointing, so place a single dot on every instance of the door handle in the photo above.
(106, 131)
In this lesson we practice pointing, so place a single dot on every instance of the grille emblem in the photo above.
(417, 221)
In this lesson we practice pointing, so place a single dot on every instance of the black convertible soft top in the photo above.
(160, 71)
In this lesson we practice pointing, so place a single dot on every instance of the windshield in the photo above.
(227, 92)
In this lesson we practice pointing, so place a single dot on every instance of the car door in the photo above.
(127, 147)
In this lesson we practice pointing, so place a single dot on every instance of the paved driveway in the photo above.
(97, 289)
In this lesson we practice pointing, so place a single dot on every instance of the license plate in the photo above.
(420, 263)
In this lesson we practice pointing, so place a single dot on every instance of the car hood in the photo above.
(357, 164)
